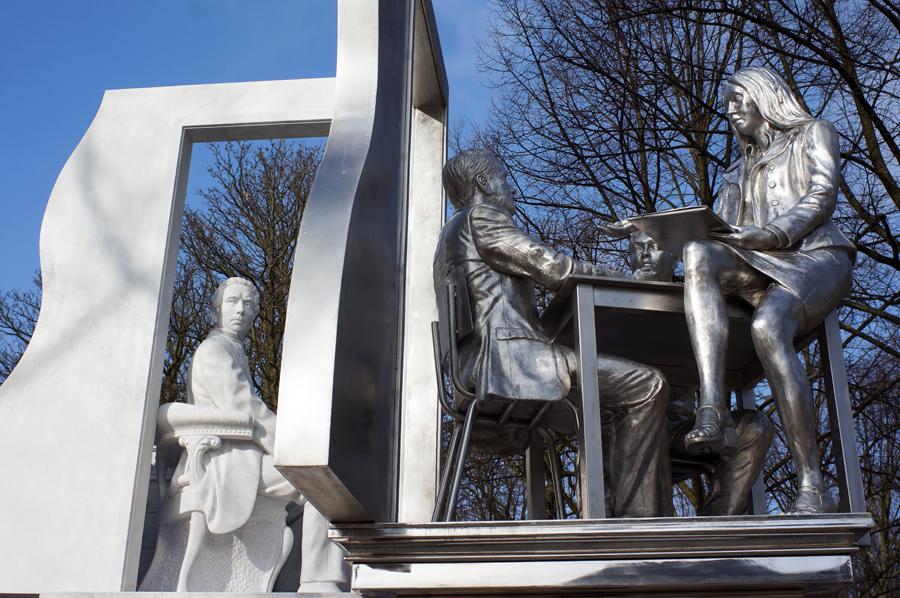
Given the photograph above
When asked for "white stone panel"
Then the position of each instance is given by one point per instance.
(79, 410)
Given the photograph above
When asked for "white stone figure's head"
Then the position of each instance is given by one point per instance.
(476, 176)
(756, 96)
(648, 261)
(235, 306)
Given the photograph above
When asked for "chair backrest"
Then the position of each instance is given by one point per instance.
(461, 306)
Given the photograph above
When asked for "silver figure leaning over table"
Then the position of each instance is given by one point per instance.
(734, 473)
(507, 355)
(787, 258)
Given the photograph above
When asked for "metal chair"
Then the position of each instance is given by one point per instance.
(509, 423)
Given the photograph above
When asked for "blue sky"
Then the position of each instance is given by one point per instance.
(57, 58)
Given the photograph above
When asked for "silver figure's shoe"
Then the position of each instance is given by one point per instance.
(713, 432)
(811, 501)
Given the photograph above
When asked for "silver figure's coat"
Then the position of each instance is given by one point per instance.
(508, 355)
(791, 190)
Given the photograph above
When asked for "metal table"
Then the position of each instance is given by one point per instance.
(645, 321)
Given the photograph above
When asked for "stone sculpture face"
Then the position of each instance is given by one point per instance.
(648, 261)
(742, 111)
(238, 310)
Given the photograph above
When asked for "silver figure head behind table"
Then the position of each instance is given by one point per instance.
(648, 261)
(786, 257)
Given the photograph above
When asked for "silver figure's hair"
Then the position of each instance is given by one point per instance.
(772, 96)
(460, 173)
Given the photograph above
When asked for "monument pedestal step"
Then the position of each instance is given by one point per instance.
(770, 555)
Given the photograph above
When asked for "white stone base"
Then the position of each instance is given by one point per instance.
(246, 560)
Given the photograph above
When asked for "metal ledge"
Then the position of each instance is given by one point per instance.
(578, 539)
(771, 555)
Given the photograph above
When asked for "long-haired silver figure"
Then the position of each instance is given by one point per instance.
(787, 258)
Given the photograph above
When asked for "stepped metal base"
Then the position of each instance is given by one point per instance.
(772, 555)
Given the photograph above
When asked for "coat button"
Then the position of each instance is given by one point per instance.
(774, 202)
(772, 184)
(771, 167)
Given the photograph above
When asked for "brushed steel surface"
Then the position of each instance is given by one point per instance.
(644, 321)
(775, 555)
(343, 360)
(752, 576)
(575, 539)
(420, 419)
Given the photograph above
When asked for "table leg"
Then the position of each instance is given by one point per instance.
(536, 501)
(592, 495)
(840, 415)
(756, 501)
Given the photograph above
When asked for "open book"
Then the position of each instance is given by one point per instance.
(673, 228)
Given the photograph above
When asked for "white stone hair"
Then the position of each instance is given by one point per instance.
(772, 96)
(216, 308)
(460, 173)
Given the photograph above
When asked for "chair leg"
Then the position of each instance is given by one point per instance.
(554, 471)
(445, 476)
(196, 534)
(450, 513)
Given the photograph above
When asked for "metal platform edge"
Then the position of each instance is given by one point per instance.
(770, 555)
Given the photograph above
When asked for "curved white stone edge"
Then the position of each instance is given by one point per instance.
(79, 411)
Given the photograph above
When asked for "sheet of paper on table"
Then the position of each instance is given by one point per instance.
(673, 228)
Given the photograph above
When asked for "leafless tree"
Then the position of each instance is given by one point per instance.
(18, 316)
(248, 227)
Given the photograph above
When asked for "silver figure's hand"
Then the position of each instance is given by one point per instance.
(620, 229)
(748, 237)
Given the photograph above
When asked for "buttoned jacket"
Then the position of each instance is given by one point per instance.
(792, 189)
(507, 355)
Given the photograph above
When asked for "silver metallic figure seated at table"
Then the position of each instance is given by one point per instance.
(787, 258)
(508, 356)
(735, 473)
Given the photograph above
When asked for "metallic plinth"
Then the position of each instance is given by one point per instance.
(773, 555)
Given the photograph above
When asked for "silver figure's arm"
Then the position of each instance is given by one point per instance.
(822, 156)
(506, 248)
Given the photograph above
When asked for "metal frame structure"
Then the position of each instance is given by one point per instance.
(645, 321)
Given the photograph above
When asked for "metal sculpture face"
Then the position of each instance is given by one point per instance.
(648, 261)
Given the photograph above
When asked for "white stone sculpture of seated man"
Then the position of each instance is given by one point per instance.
(238, 471)
(219, 377)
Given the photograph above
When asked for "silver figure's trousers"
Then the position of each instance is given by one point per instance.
(735, 473)
(635, 396)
